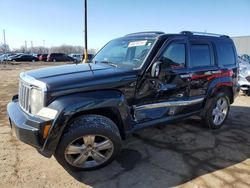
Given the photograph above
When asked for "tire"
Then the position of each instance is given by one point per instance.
(54, 60)
(83, 140)
(246, 92)
(212, 110)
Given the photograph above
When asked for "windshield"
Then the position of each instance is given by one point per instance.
(124, 52)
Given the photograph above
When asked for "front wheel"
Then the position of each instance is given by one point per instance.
(90, 142)
(217, 110)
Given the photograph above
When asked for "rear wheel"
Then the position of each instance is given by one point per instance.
(90, 142)
(217, 110)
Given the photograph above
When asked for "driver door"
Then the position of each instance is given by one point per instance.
(162, 96)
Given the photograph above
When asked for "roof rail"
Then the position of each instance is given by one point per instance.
(202, 34)
(145, 33)
(186, 33)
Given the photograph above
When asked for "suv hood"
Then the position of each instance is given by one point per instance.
(66, 78)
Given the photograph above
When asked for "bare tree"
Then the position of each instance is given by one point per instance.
(66, 49)
(22, 49)
(39, 50)
(4, 48)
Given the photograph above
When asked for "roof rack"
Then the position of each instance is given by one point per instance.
(202, 34)
(146, 33)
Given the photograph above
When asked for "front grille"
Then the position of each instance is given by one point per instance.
(24, 96)
(248, 78)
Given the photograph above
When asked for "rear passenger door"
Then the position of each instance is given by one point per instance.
(202, 66)
(227, 59)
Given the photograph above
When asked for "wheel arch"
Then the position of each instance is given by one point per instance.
(109, 112)
(227, 90)
(221, 85)
(110, 103)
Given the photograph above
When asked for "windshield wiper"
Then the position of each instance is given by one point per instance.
(109, 63)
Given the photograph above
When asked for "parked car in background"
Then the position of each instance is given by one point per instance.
(244, 76)
(38, 55)
(59, 57)
(245, 58)
(10, 57)
(23, 57)
(4, 57)
(90, 56)
(77, 57)
(43, 57)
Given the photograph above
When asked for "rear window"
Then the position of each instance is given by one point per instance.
(225, 53)
(200, 55)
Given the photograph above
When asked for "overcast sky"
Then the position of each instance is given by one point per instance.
(57, 22)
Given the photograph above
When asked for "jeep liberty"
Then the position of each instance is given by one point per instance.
(80, 113)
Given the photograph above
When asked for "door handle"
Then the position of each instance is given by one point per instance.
(185, 75)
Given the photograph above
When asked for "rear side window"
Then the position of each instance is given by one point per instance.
(200, 55)
(225, 53)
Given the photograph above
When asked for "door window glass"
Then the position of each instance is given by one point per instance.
(174, 56)
(200, 55)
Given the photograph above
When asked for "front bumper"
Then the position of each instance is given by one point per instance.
(28, 129)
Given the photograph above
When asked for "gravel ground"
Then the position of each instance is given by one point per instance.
(184, 154)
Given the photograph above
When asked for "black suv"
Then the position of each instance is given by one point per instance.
(59, 57)
(80, 113)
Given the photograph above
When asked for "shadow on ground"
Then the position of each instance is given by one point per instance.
(175, 154)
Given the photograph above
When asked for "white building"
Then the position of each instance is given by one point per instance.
(242, 44)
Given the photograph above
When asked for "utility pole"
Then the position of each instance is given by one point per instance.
(4, 41)
(31, 46)
(86, 32)
(25, 46)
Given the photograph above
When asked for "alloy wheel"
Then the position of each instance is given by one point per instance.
(220, 111)
(89, 151)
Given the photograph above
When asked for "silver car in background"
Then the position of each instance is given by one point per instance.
(77, 57)
(244, 76)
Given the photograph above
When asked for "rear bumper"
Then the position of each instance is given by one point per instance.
(28, 129)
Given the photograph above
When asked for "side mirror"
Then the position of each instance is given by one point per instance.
(155, 71)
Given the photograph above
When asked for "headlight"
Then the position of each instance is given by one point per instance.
(36, 101)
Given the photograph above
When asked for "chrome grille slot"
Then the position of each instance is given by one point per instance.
(24, 96)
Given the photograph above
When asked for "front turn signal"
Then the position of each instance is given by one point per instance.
(46, 131)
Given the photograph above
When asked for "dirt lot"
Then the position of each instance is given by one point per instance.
(184, 154)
